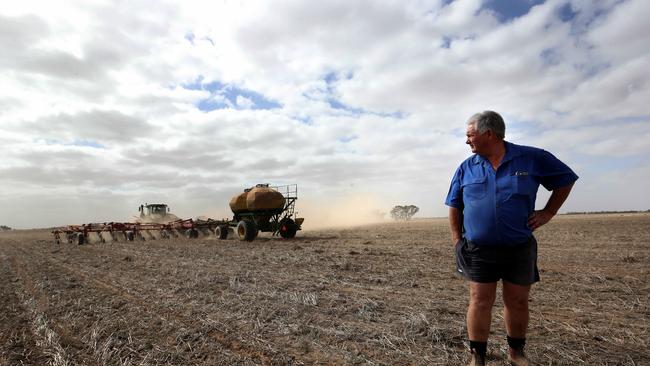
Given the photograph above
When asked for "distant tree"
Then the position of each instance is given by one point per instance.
(404, 212)
(4, 228)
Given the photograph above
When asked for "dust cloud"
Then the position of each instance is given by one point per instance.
(350, 209)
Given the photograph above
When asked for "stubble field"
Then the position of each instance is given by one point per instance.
(383, 294)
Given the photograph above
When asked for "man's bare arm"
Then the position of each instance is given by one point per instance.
(455, 224)
(541, 217)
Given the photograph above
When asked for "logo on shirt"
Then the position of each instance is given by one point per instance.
(520, 173)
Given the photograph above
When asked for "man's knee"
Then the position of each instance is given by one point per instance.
(482, 299)
(519, 303)
(515, 297)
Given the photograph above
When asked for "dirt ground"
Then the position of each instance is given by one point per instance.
(377, 294)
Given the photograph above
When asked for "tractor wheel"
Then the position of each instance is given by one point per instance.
(288, 228)
(246, 230)
(192, 233)
(222, 232)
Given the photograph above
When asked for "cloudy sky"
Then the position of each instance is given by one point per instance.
(108, 104)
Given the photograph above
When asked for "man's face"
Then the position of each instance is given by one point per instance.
(476, 141)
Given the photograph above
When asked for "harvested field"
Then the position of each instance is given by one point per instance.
(377, 294)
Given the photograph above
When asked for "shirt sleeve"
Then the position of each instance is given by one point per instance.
(455, 194)
(553, 173)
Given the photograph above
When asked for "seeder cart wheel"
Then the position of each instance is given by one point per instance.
(222, 232)
(288, 228)
(246, 230)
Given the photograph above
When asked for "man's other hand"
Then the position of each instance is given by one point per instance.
(539, 218)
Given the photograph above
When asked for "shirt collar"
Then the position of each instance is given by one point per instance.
(512, 151)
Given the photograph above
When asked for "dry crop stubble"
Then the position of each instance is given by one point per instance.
(18, 336)
(376, 294)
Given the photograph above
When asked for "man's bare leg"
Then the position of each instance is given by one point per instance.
(515, 300)
(479, 312)
(479, 318)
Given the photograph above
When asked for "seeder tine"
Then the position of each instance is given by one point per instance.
(129, 235)
(118, 236)
(140, 235)
(57, 236)
(94, 237)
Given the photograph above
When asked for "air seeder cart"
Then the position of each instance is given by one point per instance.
(263, 208)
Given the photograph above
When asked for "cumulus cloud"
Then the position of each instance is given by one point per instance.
(112, 103)
(96, 125)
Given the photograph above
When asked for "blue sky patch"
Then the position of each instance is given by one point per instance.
(224, 96)
(207, 105)
(347, 139)
(190, 37)
(566, 13)
(304, 119)
(79, 142)
(87, 143)
(335, 104)
(507, 10)
(550, 56)
(446, 42)
(330, 78)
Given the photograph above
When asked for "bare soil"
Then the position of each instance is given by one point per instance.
(377, 294)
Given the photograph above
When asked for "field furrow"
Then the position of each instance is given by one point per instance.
(176, 316)
(376, 295)
(20, 343)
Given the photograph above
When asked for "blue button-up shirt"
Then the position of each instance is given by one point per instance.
(496, 204)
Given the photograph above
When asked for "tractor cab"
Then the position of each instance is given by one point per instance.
(149, 209)
(155, 213)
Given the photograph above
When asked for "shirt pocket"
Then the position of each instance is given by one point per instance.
(475, 189)
(524, 185)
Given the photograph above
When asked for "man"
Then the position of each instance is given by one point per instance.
(492, 218)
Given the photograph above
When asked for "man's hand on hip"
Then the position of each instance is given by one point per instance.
(539, 218)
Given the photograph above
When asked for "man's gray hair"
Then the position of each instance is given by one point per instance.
(488, 120)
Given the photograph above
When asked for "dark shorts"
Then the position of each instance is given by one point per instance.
(486, 264)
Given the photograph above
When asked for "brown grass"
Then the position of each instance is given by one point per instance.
(377, 294)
